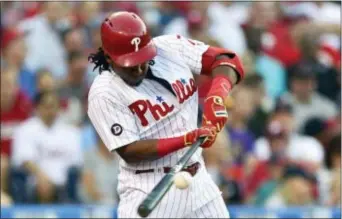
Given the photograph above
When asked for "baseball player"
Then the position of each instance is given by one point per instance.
(144, 106)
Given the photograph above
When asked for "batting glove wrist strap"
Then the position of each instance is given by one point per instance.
(168, 145)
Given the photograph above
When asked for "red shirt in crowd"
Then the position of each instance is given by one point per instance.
(278, 43)
(21, 110)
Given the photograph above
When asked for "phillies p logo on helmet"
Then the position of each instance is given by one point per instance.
(136, 41)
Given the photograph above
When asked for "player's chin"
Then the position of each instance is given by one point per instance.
(135, 83)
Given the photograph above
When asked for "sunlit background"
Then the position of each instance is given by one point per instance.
(279, 155)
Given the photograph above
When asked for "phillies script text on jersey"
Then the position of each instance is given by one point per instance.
(159, 111)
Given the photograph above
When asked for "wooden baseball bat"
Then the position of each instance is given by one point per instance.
(159, 191)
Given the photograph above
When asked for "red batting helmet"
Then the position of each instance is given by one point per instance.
(126, 40)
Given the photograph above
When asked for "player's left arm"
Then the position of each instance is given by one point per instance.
(222, 65)
(226, 70)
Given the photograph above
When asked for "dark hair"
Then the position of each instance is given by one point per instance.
(99, 60)
(40, 96)
(314, 126)
(302, 70)
(292, 170)
(283, 105)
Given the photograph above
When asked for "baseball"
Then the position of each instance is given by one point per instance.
(182, 180)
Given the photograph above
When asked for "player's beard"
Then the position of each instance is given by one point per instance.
(136, 83)
(130, 76)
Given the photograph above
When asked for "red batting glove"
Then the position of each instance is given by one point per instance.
(207, 132)
(215, 112)
(168, 145)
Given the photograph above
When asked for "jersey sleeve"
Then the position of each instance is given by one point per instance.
(113, 122)
(190, 50)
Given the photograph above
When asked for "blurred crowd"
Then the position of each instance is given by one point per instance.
(282, 143)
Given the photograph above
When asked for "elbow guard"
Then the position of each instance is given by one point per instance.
(209, 61)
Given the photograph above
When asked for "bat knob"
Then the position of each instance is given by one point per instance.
(143, 211)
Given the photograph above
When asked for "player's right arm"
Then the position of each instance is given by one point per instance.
(117, 128)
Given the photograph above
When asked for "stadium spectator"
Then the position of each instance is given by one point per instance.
(278, 42)
(328, 177)
(261, 16)
(332, 147)
(264, 104)
(274, 75)
(296, 189)
(45, 81)
(242, 139)
(241, 146)
(335, 189)
(74, 89)
(88, 15)
(15, 108)
(299, 149)
(317, 55)
(95, 36)
(197, 28)
(74, 39)
(322, 130)
(263, 181)
(194, 17)
(168, 13)
(14, 51)
(88, 12)
(217, 157)
(306, 102)
(74, 84)
(47, 148)
(99, 176)
(333, 160)
(334, 166)
(277, 138)
(226, 19)
(45, 47)
(232, 38)
(248, 60)
(231, 189)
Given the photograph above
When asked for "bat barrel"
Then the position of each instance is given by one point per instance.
(152, 200)
(144, 210)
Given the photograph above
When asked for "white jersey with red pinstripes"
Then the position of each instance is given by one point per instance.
(122, 114)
